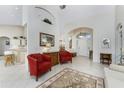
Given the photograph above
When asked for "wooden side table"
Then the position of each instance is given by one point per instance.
(105, 58)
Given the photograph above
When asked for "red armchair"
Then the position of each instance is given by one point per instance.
(39, 64)
(65, 56)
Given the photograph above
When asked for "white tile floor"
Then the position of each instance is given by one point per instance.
(17, 76)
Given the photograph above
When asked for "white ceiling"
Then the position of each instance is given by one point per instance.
(10, 14)
(79, 12)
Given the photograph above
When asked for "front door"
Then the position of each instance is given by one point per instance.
(82, 47)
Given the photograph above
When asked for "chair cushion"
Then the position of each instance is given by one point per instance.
(44, 65)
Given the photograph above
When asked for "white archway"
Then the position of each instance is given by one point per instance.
(82, 46)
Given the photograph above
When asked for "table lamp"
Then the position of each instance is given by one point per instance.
(48, 46)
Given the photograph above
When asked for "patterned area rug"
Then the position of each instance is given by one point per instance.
(69, 78)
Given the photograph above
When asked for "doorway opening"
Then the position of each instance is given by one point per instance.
(12, 44)
(4, 44)
(82, 41)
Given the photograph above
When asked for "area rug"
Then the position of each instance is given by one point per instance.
(70, 78)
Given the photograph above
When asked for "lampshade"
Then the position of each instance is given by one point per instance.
(48, 45)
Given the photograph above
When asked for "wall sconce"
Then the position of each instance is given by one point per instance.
(46, 20)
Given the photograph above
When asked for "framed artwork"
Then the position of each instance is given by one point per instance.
(47, 38)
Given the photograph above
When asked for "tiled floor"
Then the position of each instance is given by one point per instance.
(18, 76)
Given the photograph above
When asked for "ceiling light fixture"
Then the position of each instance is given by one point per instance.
(62, 6)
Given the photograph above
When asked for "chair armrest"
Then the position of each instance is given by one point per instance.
(33, 65)
(46, 58)
(33, 59)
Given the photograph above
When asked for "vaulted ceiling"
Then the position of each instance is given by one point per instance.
(10, 14)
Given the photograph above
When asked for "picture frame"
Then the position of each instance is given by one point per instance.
(47, 38)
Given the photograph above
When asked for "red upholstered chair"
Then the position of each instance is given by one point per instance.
(65, 56)
(39, 64)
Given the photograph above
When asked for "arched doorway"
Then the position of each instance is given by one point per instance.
(82, 41)
(4, 44)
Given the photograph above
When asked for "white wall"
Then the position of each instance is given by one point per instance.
(35, 25)
(10, 32)
(119, 19)
(90, 42)
(100, 18)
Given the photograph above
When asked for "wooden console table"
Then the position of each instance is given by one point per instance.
(105, 58)
(54, 57)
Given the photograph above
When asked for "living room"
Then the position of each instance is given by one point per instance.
(63, 25)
